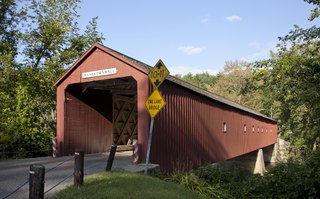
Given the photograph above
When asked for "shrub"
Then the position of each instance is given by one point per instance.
(286, 180)
(231, 179)
(194, 183)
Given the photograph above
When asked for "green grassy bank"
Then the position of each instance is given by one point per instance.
(127, 185)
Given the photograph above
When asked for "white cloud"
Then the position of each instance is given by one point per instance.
(204, 20)
(191, 50)
(183, 70)
(233, 18)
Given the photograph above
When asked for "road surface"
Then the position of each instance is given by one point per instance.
(15, 173)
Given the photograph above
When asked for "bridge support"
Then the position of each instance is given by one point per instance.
(259, 167)
(257, 161)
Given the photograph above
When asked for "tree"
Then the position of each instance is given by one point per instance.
(50, 41)
(291, 79)
(9, 18)
(202, 80)
(232, 84)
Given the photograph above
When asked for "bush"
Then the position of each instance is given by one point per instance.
(289, 180)
(194, 183)
(286, 180)
(313, 167)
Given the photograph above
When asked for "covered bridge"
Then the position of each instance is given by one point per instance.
(101, 100)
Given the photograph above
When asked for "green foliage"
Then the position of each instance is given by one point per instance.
(194, 183)
(291, 84)
(231, 180)
(221, 173)
(50, 41)
(315, 13)
(292, 180)
(201, 80)
(292, 80)
(286, 180)
(9, 19)
(232, 84)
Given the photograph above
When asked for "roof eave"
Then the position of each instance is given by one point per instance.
(105, 49)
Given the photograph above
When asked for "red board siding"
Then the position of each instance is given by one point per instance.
(98, 58)
(188, 131)
(88, 120)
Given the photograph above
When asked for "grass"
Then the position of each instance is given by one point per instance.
(126, 185)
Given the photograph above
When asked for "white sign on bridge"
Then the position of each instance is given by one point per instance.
(96, 73)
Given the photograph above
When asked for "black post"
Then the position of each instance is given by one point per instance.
(78, 168)
(36, 181)
(111, 157)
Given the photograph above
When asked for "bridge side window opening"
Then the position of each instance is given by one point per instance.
(244, 128)
(252, 128)
(258, 129)
(224, 127)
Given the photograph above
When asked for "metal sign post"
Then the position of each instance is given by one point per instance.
(155, 101)
(154, 104)
(149, 146)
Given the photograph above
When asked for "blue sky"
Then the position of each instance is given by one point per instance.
(194, 36)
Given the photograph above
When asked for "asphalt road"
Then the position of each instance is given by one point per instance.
(15, 173)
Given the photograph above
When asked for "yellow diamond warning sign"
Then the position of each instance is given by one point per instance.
(155, 103)
(158, 74)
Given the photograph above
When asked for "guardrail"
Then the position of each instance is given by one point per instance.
(23, 150)
(37, 175)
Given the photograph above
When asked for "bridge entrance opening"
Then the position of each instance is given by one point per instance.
(101, 113)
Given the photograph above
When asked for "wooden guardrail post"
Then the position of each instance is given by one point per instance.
(111, 157)
(36, 181)
(78, 168)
